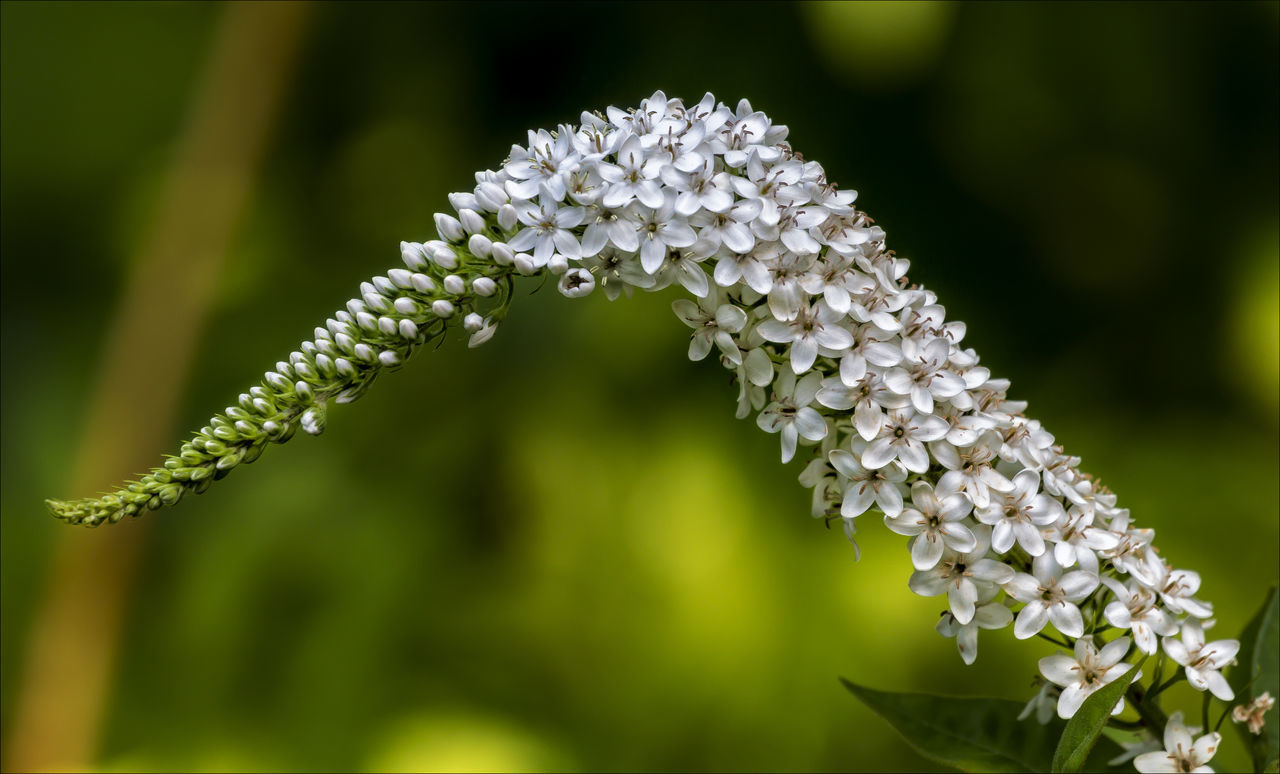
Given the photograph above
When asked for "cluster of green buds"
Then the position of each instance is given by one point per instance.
(395, 315)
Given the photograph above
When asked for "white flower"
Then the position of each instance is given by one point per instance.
(576, 283)
(1075, 540)
(813, 328)
(548, 229)
(963, 577)
(660, 230)
(971, 469)
(1019, 515)
(633, 177)
(1050, 595)
(605, 225)
(863, 487)
(868, 397)
(925, 378)
(748, 266)
(1180, 753)
(1176, 587)
(546, 161)
(987, 616)
(699, 190)
(1044, 704)
(1090, 670)
(902, 437)
(1202, 661)
(1135, 608)
(713, 322)
(791, 413)
(935, 522)
(618, 271)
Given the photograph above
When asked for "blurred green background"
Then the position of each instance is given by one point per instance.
(561, 551)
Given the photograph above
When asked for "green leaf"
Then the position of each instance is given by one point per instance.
(1259, 661)
(972, 734)
(1084, 728)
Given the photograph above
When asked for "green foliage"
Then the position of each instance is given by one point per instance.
(1257, 671)
(1085, 727)
(974, 734)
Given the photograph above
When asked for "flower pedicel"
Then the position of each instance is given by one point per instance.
(833, 348)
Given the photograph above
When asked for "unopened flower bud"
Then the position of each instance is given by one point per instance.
(508, 218)
(384, 286)
(387, 326)
(388, 358)
(406, 305)
(472, 322)
(462, 201)
(324, 364)
(525, 265)
(483, 286)
(304, 391)
(313, 419)
(558, 264)
(448, 227)
(480, 245)
(442, 254)
(471, 221)
(454, 285)
(442, 308)
(423, 284)
(490, 196)
(367, 321)
(503, 255)
(411, 253)
(408, 329)
(401, 278)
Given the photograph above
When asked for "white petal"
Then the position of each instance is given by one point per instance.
(1071, 699)
(1066, 619)
(878, 454)
(788, 442)
(1031, 620)
(963, 597)
(925, 552)
(803, 353)
(867, 419)
(1059, 669)
(811, 424)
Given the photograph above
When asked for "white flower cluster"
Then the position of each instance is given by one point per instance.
(796, 293)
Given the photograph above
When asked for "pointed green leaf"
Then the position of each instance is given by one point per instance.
(972, 734)
(1259, 661)
(1084, 727)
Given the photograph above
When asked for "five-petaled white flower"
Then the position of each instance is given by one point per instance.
(864, 487)
(1019, 515)
(791, 413)
(935, 522)
(1090, 670)
(1180, 753)
(963, 577)
(1050, 596)
(1203, 660)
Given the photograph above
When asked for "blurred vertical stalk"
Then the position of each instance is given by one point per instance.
(146, 358)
